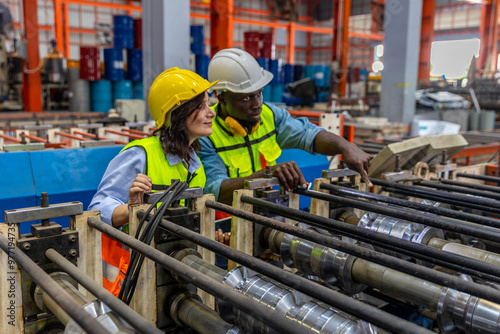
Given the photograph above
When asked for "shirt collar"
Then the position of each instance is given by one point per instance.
(194, 162)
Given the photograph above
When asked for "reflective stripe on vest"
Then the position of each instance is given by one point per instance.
(245, 155)
(116, 256)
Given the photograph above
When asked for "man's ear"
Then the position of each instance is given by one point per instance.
(220, 96)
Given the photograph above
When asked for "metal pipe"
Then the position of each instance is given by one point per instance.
(454, 225)
(480, 177)
(440, 199)
(85, 320)
(475, 253)
(122, 309)
(456, 189)
(186, 309)
(379, 258)
(442, 196)
(45, 302)
(418, 291)
(494, 189)
(191, 275)
(193, 259)
(343, 191)
(342, 302)
(421, 252)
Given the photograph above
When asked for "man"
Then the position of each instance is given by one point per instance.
(249, 135)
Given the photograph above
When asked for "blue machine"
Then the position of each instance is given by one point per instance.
(68, 175)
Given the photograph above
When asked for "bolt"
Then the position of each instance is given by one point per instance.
(26, 246)
(72, 238)
(163, 236)
(196, 229)
(72, 252)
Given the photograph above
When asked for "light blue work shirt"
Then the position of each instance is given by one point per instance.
(291, 133)
(121, 172)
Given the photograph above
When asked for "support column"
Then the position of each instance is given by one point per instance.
(67, 47)
(426, 39)
(488, 31)
(402, 21)
(340, 47)
(166, 39)
(32, 78)
(58, 21)
(221, 25)
(291, 42)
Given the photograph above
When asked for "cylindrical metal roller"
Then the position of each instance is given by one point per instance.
(288, 302)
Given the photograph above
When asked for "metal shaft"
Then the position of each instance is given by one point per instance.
(342, 302)
(475, 253)
(191, 275)
(480, 177)
(444, 223)
(338, 190)
(122, 309)
(382, 259)
(458, 189)
(200, 318)
(443, 196)
(494, 189)
(421, 252)
(54, 290)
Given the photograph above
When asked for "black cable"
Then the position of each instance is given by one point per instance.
(146, 235)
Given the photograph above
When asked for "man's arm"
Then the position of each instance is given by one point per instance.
(328, 143)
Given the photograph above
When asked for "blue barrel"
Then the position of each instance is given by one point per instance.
(202, 65)
(197, 40)
(276, 68)
(113, 64)
(309, 71)
(138, 90)
(298, 72)
(319, 75)
(326, 71)
(123, 32)
(264, 63)
(122, 90)
(277, 92)
(266, 93)
(289, 76)
(101, 98)
(134, 64)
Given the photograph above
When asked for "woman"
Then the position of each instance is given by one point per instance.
(178, 102)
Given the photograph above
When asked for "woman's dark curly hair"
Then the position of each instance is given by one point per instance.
(175, 138)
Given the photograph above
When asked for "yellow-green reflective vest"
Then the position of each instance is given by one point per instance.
(244, 156)
(159, 169)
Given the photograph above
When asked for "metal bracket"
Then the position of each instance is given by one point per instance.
(189, 193)
(261, 183)
(38, 213)
(23, 147)
(179, 216)
(65, 244)
(97, 143)
(333, 173)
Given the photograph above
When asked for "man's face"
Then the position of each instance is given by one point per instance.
(243, 106)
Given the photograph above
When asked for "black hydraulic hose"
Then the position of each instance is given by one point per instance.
(322, 293)
(485, 232)
(491, 205)
(481, 177)
(457, 189)
(437, 198)
(373, 256)
(494, 189)
(202, 281)
(122, 309)
(54, 290)
(344, 191)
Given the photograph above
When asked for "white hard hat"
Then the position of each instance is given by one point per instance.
(237, 71)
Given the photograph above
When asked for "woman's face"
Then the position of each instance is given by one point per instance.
(200, 124)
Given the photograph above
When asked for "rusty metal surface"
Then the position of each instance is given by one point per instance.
(331, 173)
(37, 213)
(261, 183)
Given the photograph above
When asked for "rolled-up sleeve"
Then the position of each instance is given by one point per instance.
(214, 167)
(115, 184)
(294, 132)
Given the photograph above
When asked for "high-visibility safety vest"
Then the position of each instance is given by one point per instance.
(116, 256)
(246, 155)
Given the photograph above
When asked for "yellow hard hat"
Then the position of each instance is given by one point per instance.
(170, 89)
